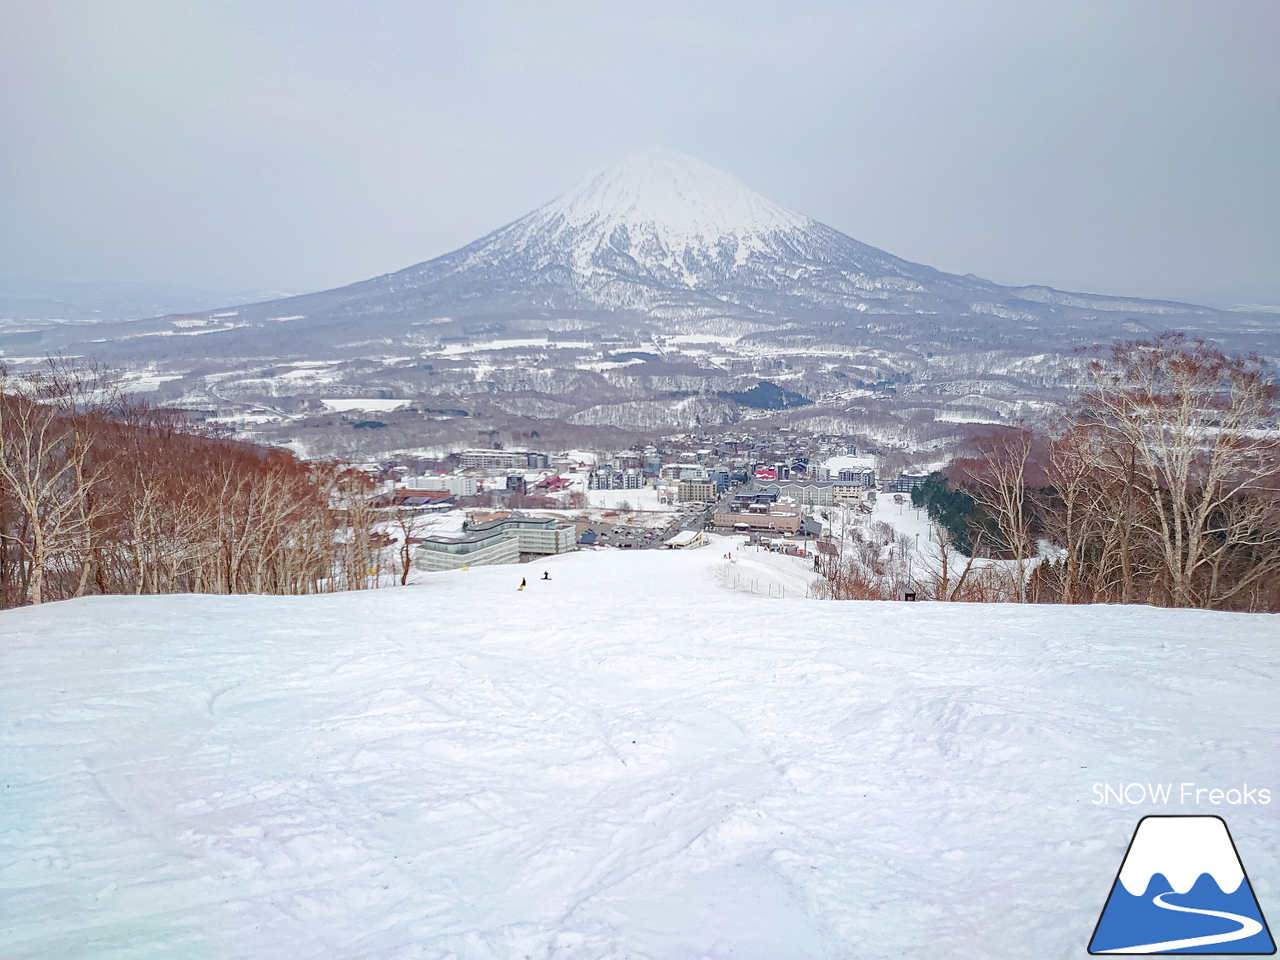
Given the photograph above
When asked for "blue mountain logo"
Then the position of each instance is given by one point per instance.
(1182, 889)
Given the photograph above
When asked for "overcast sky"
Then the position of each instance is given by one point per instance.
(1118, 147)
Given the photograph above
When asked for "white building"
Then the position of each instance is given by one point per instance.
(859, 470)
(470, 550)
(849, 492)
(458, 486)
(687, 539)
(607, 478)
(501, 540)
(684, 471)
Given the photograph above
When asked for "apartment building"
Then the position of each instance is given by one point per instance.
(500, 540)
(502, 460)
(690, 491)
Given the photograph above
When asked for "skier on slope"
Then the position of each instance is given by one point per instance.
(546, 575)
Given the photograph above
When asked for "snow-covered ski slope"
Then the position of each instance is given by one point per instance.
(630, 760)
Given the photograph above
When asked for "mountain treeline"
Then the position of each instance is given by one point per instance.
(1160, 486)
(100, 493)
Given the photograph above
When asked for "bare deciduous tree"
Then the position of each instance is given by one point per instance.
(101, 494)
(938, 576)
(999, 484)
(1193, 423)
(410, 524)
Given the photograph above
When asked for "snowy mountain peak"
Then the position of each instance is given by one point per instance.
(656, 215)
(656, 226)
(1181, 848)
(674, 196)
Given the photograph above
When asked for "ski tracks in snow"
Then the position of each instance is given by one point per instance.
(626, 761)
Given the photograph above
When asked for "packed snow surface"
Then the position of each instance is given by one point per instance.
(630, 759)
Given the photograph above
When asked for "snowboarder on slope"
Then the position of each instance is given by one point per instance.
(546, 575)
(521, 587)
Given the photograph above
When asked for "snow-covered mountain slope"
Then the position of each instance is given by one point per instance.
(659, 220)
(628, 760)
(657, 242)
(707, 286)
(662, 233)
(664, 208)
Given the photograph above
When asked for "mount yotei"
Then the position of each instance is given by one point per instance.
(657, 294)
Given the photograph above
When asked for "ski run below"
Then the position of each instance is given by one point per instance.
(629, 760)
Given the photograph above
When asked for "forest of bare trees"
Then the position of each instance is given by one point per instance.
(1164, 484)
(101, 494)
(1160, 485)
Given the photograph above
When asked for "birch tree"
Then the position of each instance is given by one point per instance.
(1195, 422)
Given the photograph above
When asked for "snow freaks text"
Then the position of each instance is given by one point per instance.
(1132, 794)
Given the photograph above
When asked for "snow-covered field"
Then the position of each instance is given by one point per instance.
(629, 760)
(645, 499)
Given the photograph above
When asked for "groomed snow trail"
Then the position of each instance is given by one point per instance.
(628, 760)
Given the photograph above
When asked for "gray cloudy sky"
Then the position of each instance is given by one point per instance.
(270, 144)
